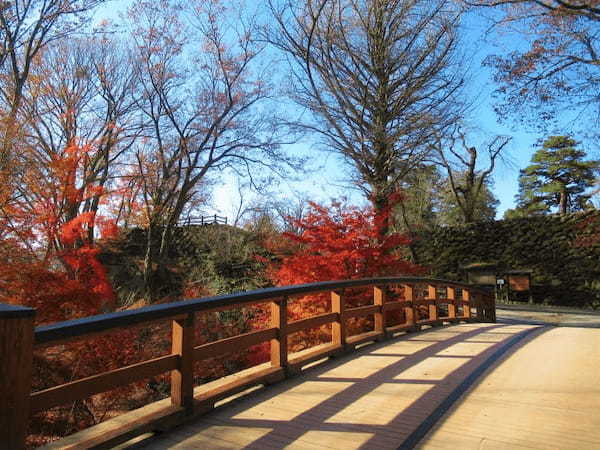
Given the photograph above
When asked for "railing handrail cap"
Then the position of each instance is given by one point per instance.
(8, 311)
(119, 319)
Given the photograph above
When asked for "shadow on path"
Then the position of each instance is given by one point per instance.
(386, 395)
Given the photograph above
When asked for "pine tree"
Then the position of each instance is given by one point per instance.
(558, 177)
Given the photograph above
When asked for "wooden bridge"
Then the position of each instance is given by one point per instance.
(403, 390)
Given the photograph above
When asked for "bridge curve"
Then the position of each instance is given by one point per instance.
(385, 396)
(467, 386)
(421, 302)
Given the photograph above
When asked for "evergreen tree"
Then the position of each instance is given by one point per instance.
(558, 177)
(429, 201)
(482, 207)
(421, 191)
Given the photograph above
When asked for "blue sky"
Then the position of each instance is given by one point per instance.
(326, 175)
(329, 181)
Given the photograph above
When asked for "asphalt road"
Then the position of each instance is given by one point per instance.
(539, 315)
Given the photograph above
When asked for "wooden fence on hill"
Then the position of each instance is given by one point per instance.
(204, 220)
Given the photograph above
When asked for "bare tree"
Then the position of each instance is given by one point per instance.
(206, 110)
(284, 212)
(379, 76)
(467, 180)
(557, 66)
(83, 95)
(26, 27)
(248, 204)
(589, 8)
(291, 210)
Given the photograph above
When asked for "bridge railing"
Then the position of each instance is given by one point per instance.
(18, 338)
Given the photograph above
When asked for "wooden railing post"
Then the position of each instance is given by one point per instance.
(492, 303)
(379, 299)
(16, 355)
(432, 294)
(480, 307)
(338, 328)
(486, 313)
(279, 347)
(410, 313)
(182, 379)
(466, 295)
(451, 296)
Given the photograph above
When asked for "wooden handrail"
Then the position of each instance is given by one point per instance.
(83, 388)
(105, 322)
(417, 312)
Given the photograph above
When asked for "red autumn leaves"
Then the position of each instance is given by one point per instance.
(343, 242)
(48, 257)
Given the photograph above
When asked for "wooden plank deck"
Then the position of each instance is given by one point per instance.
(546, 395)
(392, 394)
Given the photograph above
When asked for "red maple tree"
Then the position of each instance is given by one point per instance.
(48, 261)
(337, 242)
(342, 242)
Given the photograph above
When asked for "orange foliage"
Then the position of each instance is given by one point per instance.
(48, 261)
(338, 243)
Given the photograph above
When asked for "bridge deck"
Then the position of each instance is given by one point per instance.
(407, 392)
(545, 395)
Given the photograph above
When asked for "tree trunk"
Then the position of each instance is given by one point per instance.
(148, 266)
(382, 213)
(10, 124)
(469, 208)
(563, 202)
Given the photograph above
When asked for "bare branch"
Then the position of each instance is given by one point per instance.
(379, 78)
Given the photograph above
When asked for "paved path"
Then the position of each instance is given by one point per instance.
(544, 396)
(563, 317)
(435, 389)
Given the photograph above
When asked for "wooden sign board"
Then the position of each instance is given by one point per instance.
(519, 283)
(488, 278)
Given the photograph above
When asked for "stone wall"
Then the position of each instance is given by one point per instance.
(562, 252)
